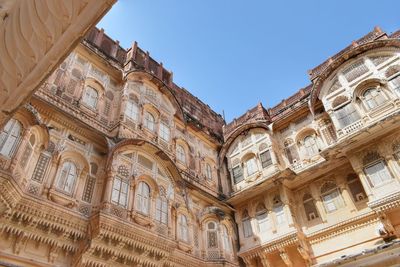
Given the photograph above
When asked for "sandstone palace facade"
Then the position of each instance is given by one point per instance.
(112, 164)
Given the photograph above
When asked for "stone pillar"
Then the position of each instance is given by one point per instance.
(348, 200)
(318, 202)
(108, 187)
(20, 148)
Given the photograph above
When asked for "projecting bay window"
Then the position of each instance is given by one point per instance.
(119, 195)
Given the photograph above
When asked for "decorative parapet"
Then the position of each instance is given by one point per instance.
(254, 115)
(374, 35)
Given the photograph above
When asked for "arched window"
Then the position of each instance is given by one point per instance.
(331, 197)
(132, 110)
(212, 237)
(208, 171)
(310, 144)
(183, 228)
(279, 210)
(67, 177)
(143, 198)
(149, 121)
(119, 193)
(246, 222)
(346, 115)
(180, 154)
(162, 208)
(375, 168)
(164, 132)
(9, 138)
(356, 188)
(373, 98)
(262, 219)
(251, 166)
(309, 207)
(226, 239)
(90, 97)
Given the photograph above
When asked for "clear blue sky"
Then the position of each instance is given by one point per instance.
(233, 54)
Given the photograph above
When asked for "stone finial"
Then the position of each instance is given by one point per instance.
(377, 29)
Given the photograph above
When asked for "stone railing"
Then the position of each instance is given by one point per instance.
(350, 128)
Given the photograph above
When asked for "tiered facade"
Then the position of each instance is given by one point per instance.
(112, 164)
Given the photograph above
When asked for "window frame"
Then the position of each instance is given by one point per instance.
(143, 198)
(149, 121)
(183, 226)
(266, 161)
(12, 130)
(68, 170)
(385, 169)
(335, 198)
(120, 192)
(161, 214)
(311, 149)
(346, 118)
(90, 97)
(164, 132)
(212, 233)
(181, 154)
(236, 174)
(209, 174)
(371, 101)
(254, 166)
(130, 110)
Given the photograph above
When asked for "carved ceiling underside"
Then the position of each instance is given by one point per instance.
(35, 37)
